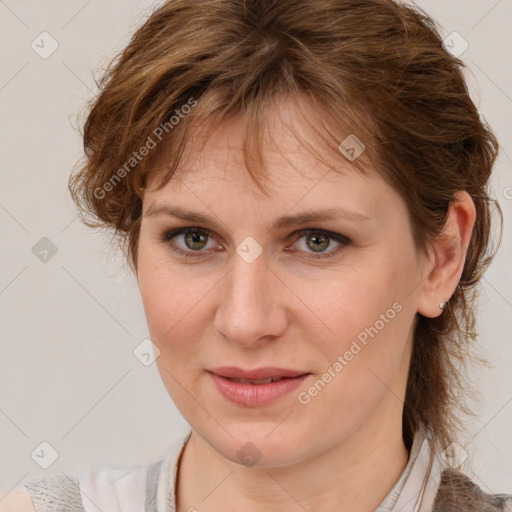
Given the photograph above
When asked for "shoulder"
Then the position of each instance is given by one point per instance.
(100, 488)
(458, 492)
(134, 488)
(44, 494)
(18, 500)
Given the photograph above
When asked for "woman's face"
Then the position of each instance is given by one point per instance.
(277, 283)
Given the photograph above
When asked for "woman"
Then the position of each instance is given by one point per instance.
(301, 188)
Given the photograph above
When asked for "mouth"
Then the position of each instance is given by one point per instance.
(257, 387)
(255, 381)
(232, 372)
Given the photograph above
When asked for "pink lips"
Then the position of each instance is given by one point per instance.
(230, 382)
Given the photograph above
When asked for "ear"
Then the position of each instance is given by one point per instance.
(447, 256)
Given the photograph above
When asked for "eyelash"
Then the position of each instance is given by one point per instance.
(169, 235)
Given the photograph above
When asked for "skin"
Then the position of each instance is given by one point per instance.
(289, 309)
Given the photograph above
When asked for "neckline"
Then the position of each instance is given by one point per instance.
(410, 492)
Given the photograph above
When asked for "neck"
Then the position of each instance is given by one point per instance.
(372, 458)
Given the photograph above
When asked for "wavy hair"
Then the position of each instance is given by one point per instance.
(376, 69)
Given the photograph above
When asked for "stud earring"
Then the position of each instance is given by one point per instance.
(442, 305)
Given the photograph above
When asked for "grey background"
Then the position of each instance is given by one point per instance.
(68, 375)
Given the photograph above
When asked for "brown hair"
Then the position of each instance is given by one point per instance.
(373, 68)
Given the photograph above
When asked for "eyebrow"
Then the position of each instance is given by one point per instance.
(283, 222)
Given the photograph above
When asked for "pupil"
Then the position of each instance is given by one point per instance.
(193, 238)
(317, 247)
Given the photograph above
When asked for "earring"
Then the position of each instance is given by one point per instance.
(442, 305)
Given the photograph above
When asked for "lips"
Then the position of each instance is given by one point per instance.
(257, 387)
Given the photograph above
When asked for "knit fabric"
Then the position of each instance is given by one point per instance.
(55, 494)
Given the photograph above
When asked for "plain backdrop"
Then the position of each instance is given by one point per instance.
(71, 316)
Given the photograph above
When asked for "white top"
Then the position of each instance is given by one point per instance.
(152, 488)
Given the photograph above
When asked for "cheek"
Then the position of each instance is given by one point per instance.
(364, 352)
(367, 317)
(172, 304)
(348, 304)
(175, 305)
(165, 292)
(173, 309)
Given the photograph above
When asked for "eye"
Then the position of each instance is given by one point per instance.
(188, 241)
(318, 241)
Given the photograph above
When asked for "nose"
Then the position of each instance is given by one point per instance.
(251, 310)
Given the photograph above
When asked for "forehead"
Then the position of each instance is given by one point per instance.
(212, 170)
(218, 153)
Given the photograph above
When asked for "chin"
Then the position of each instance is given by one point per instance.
(251, 445)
